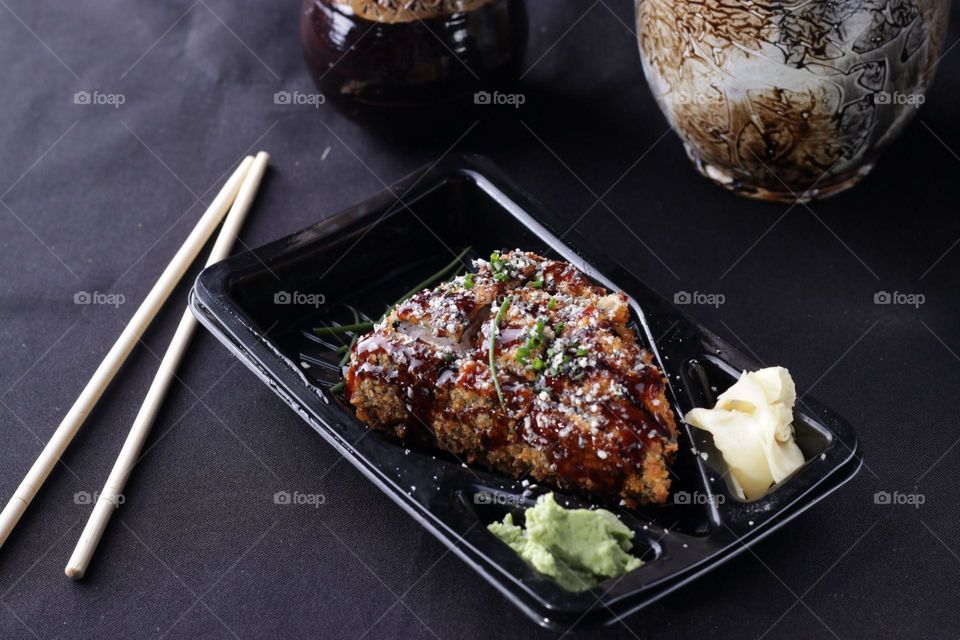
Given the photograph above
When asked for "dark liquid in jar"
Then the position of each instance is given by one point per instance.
(413, 63)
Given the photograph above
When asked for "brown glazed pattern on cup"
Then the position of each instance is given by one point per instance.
(784, 99)
(407, 10)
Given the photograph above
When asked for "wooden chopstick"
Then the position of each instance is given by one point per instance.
(121, 349)
(108, 501)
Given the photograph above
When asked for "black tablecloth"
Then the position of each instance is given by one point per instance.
(99, 196)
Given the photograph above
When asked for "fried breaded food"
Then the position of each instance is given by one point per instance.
(580, 406)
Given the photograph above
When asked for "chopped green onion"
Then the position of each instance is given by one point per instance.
(499, 269)
(538, 283)
(538, 364)
(493, 343)
(468, 281)
(552, 303)
(581, 352)
(522, 354)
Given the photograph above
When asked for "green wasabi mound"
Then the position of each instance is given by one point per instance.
(577, 548)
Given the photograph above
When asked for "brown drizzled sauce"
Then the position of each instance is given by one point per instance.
(421, 376)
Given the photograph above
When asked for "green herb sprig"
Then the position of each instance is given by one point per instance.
(353, 340)
(493, 344)
(366, 326)
(360, 327)
(439, 275)
(343, 328)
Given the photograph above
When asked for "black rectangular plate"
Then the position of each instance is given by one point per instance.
(259, 305)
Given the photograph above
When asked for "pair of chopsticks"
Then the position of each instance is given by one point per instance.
(233, 202)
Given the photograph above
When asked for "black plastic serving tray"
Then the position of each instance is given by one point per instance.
(263, 304)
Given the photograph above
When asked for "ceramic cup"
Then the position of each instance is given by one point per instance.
(787, 99)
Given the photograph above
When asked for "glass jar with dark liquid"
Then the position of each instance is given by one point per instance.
(409, 54)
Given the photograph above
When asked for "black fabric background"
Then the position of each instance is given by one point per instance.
(200, 549)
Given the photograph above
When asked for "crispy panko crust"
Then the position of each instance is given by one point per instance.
(580, 406)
